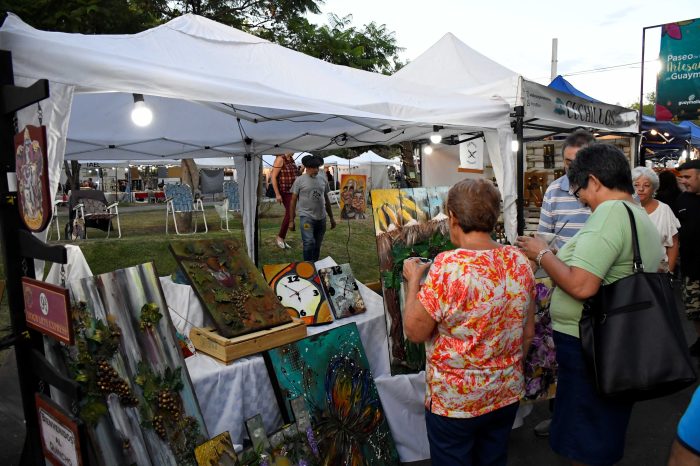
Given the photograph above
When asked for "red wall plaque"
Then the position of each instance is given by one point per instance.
(47, 309)
(60, 437)
(31, 163)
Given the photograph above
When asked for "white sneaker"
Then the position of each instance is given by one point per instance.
(286, 245)
(280, 243)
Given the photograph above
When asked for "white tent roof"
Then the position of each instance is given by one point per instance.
(335, 160)
(371, 157)
(450, 64)
(274, 98)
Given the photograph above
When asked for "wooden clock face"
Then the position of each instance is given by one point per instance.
(298, 288)
(341, 291)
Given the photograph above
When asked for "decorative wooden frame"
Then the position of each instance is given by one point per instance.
(57, 415)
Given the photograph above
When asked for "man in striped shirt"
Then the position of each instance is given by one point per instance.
(563, 215)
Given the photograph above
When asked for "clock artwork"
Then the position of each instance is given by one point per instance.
(299, 290)
(341, 291)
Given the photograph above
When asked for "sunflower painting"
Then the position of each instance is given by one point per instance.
(330, 372)
(409, 222)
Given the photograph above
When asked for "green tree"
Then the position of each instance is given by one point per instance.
(648, 108)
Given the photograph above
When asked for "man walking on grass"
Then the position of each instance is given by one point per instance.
(310, 193)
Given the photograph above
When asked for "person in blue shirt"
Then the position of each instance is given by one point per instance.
(685, 450)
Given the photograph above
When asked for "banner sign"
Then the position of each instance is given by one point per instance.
(31, 163)
(545, 103)
(471, 155)
(47, 309)
(60, 439)
(678, 82)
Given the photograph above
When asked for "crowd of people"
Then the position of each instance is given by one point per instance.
(475, 309)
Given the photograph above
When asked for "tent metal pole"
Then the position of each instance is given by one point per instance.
(519, 113)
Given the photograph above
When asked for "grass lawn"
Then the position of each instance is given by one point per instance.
(144, 240)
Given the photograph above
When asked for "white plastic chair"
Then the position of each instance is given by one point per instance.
(179, 200)
(54, 219)
(231, 203)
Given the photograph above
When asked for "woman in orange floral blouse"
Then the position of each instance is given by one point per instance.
(475, 313)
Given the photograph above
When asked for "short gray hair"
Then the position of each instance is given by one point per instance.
(648, 173)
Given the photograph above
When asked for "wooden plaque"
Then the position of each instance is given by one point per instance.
(31, 163)
(60, 437)
(47, 309)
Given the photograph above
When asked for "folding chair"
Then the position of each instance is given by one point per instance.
(179, 200)
(54, 219)
(91, 206)
(231, 203)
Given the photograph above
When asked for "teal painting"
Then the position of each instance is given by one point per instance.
(330, 372)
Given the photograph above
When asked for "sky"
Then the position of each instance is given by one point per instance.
(518, 34)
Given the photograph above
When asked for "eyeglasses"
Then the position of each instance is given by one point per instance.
(575, 193)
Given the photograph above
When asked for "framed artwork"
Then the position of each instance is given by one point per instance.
(341, 291)
(328, 376)
(139, 404)
(229, 286)
(353, 196)
(31, 164)
(409, 222)
(298, 288)
(217, 451)
(548, 152)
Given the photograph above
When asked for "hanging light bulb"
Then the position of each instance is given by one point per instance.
(436, 137)
(427, 150)
(654, 132)
(141, 115)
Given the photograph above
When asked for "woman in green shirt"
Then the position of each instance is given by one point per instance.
(588, 429)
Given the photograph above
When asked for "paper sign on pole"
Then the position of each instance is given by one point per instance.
(471, 155)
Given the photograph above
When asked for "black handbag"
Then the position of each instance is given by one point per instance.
(632, 338)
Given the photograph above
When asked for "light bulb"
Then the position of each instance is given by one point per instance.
(514, 146)
(666, 134)
(141, 115)
(435, 138)
(427, 150)
(654, 132)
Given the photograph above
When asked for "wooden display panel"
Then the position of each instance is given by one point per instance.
(227, 350)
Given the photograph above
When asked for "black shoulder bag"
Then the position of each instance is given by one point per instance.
(632, 337)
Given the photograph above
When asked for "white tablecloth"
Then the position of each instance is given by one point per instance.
(228, 395)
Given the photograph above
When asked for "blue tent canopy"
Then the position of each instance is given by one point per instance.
(561, 84)
(694, 132)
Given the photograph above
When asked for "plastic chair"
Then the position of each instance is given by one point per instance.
(179, 200)
(54, 219)
(231, 203)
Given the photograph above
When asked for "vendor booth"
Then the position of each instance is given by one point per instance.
(217, 92)
(539, 112)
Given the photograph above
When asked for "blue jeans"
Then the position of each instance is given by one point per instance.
(475, 441)
(312, 232)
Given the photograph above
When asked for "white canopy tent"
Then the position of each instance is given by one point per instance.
(451, 65)
(217, 91)
(372, 165)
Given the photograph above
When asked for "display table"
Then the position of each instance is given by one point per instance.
(228, 395)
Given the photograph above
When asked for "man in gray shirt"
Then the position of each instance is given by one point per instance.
(310, 193)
